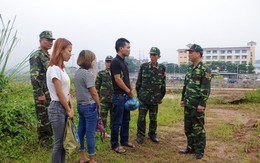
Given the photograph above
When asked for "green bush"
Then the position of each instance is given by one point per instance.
(17, 116)
(253, 96)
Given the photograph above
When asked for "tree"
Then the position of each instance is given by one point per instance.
(183, 68)
(250, 68)
(133, 64)
(169, 67)
(242, 68)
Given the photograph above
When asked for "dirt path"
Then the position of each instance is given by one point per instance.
(223, 145)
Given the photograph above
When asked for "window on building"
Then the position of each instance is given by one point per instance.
(229, 57)
(214, 51)
(222, 51)
(244, 57)
(237, 51)
(208, 51)
(237, 62)
(208, 57)
(244, 51)
(237, 56)
(222, 57)
(229, 51)
(214, 57)
(244, 62)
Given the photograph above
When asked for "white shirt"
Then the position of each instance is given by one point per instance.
(62, 76)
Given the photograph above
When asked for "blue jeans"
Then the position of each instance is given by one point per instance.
(88, 116)
(57, 117)
(120, 121)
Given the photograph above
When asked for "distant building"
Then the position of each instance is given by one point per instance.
(257, 68)
(238, 55)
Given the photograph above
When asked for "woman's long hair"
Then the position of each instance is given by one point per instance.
(59, 45)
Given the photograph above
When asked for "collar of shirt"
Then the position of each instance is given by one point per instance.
(198, 66)
(150, 65)
(117, 56)
(48, 55)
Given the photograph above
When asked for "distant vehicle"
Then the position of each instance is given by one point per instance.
(232, 80)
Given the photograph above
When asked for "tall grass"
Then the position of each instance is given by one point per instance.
(8, 41)
(253, 96)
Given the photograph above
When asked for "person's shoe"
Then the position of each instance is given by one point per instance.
(139, 140)
(154, 139)
(186, 151)
(107, 135)
(198, 155)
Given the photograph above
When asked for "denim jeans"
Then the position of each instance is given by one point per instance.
(88, 116)
(120, 121)
(57, 116)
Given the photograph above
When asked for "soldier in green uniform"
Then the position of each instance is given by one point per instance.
(39, 61)
(150, 88)
(105, 90)
(195, 93)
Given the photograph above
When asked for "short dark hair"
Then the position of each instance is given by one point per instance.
(121, 43)
(201, 53)
(85, 58)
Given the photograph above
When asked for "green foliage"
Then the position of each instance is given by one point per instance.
(253, 96)
(133, 64)
(183, 68)
(8, 41)
(172, 68)
(3, 82)
(231, 67)
(17, 116)
(250, 68)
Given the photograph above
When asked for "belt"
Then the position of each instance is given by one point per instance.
(84, 103)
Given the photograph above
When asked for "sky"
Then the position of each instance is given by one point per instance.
(167, 24)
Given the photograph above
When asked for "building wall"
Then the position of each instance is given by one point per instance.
(236, 55)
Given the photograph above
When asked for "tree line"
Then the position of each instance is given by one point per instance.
(216, 66)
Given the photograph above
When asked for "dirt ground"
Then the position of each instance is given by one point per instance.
(236, 149)
(241, 144)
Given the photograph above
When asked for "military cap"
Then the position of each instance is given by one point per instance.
(46, 34)
(196, 48)
(155, 50)
(109, 58)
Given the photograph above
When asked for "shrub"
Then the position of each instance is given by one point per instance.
(253, 96)
(17, 116)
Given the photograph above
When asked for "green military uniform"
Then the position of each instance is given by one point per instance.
(105, 89)
(150, 88)
(195, 92)
(39, 62)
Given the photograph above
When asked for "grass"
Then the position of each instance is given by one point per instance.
(170, 127)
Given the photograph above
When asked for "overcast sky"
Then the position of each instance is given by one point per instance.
(166, 24)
